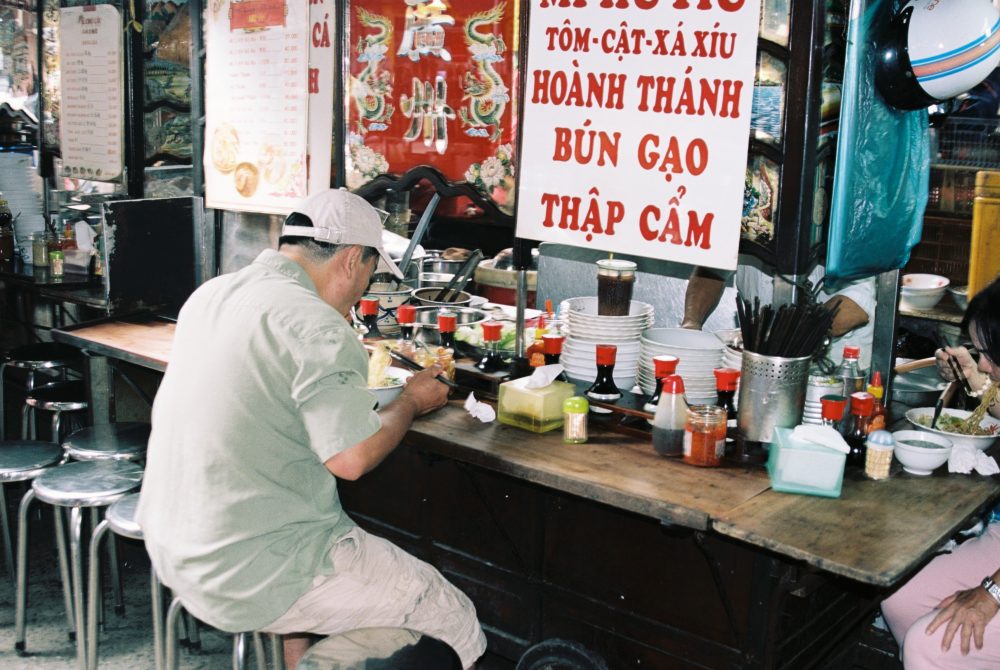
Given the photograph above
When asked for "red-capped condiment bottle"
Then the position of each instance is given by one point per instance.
(663, 366)
(535, 353)
(405, 316)
(832, 411)
(859, 424)
(726, 380)
(670, 416)
(491, 361)
(447, 323)
(552, 344)
(604, 387)
(369, 315)
(878, 407)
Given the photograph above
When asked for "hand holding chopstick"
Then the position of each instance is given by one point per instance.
(413, 365)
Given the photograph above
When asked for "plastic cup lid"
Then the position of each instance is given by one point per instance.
(576, 405)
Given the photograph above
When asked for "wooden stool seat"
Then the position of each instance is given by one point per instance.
(124, 441)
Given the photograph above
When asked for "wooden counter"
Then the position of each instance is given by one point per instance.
(876, 533)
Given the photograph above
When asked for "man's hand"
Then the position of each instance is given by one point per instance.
(967, 612)
(424, 391)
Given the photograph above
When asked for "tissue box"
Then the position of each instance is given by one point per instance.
(538, 410)
(800, 466)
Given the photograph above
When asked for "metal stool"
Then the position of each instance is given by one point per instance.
(73, 486)
(20, 461)
(123, 441)
(57, 398)
(380, 649)
(120, 519)
(239, 644)
(33, 358)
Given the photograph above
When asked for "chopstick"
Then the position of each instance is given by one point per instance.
(956, 369)
(413, 365)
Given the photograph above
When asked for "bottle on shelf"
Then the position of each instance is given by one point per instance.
(405, 316)
(877, 391)
(663, 366)
(858, 427)
(491, 361)
(726, 380)
(535, 353)
(369, 315)
(6, 232)
(832, 411)
(670, 417)
(604, 387)
(552, 344)
(850, 371)
(68, 237)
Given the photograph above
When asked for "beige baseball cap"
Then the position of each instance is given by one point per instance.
(341, 217)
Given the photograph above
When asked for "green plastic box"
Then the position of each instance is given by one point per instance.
(800, 466)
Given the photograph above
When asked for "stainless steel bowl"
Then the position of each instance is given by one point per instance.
(425, 296)
(441, 266)
(434, 279)
(918, 388)
(426, 326)
(960, 294)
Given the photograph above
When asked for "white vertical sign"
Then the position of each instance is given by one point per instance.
(322, 33)
(92, 116)
(636, 126)
(257, 104)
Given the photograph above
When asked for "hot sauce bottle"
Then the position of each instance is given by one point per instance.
(535, 353)
(705, 435)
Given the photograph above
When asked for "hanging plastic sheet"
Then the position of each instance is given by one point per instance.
(882, 171)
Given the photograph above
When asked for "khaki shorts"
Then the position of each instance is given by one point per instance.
(377, 584)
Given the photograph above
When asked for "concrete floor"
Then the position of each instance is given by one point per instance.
(126, 643)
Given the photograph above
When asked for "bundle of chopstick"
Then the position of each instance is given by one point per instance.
(789, 331)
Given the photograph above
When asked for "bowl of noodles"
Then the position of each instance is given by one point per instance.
(953, 425)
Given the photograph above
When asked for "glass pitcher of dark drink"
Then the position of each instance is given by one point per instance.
(615, 279)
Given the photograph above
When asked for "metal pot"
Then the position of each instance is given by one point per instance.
(441, 266)
(918, 388)
(434, 279)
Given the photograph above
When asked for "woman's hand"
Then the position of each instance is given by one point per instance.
(965, 361)
(967, 612)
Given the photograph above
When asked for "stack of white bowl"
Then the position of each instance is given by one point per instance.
(585, 329)
(699, 353)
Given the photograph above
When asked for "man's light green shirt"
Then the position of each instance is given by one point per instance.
(265, 383)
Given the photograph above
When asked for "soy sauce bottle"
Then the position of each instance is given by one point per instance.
(663, 366)
(552, 344)
(604, 387)
(491, 361)
(858, 427)
(405, 316)
(369, 315)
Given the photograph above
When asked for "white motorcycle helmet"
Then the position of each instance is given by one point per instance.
(935, 49)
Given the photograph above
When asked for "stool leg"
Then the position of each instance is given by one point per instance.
(260, 656)
(22, 571)
(193, 633)
(277, 651)
(3, 425)
(94, 591)
(8, 541)
(28, 410)
(27, 424)
(64, 571)
(156, 599)
(170, 653)
(239, 651)
(56, 420)
(75, 530)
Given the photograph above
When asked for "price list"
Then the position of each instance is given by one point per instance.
(257, 105)
(91, 119)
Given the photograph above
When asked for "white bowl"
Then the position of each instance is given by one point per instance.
(923, 282)
(386, 394)
(683, 338)
(916, 458)
(980, 442)
(922, 291)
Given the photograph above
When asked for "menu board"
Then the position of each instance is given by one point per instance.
(91, 120)
(257, 107)
(636, 126)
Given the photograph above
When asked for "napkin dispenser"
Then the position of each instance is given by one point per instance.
(801, 466)
(536, 409)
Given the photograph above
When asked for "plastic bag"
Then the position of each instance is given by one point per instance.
(883, 167)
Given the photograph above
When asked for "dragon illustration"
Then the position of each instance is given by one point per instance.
(483, 87)
(371, 88)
